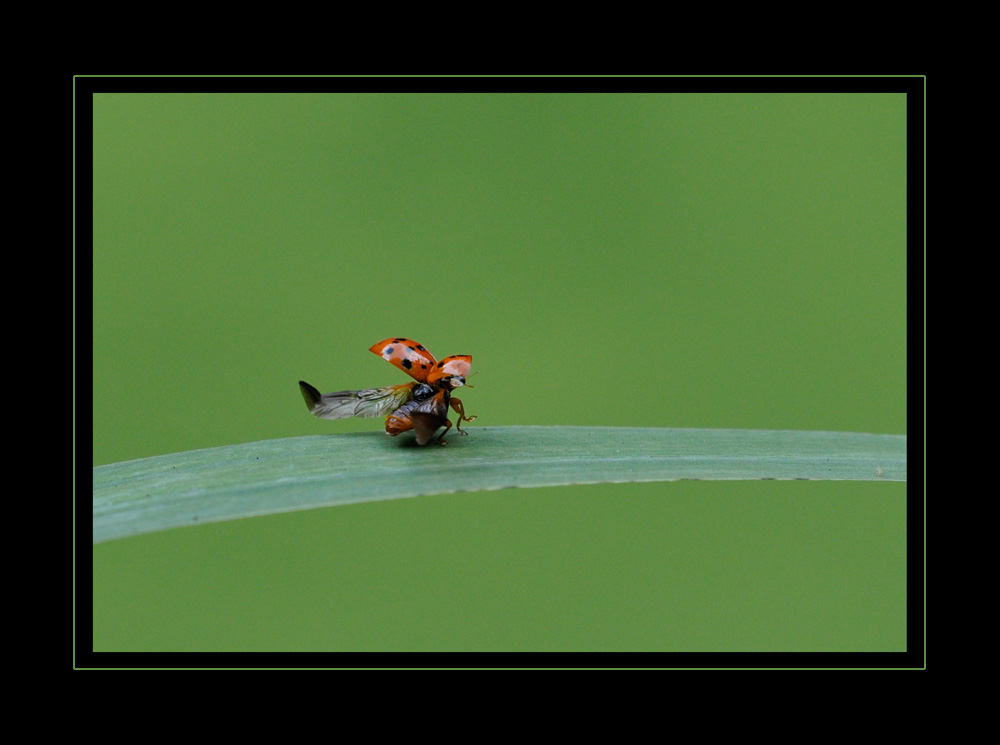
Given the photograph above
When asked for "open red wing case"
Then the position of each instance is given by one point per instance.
(407, 355)
(457, 364)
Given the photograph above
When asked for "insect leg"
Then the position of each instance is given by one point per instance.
(459, 407)
(447, 426)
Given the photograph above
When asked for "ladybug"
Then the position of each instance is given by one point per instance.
(421, 406)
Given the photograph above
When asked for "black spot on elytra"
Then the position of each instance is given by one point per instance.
(412, 349)
(422, 365)
(441, 363)
(407, 364)
(399, 339)
(421, 347)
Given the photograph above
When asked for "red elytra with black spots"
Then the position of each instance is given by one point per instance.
(418, 363)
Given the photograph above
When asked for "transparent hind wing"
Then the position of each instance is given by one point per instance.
(371, 402)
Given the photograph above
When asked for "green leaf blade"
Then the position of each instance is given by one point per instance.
(298, 473)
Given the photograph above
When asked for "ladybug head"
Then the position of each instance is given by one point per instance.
(451, 382)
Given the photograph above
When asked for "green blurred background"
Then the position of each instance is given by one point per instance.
(675, 260)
